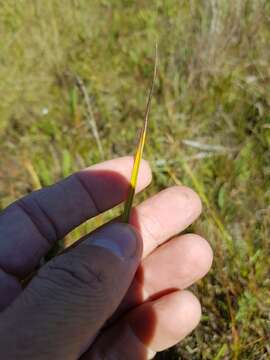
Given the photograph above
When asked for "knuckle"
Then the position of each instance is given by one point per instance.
(37, 214)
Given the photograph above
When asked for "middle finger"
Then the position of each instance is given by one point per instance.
(164, 215)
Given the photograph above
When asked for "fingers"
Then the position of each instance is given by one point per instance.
(149, 328)
(78, 291)
(29, 227)
(165, 215)
(179, 264)
(175, 265)
(174, 316)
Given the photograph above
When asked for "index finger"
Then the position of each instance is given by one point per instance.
(30, 226)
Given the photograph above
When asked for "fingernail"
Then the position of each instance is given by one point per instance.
(118, 238)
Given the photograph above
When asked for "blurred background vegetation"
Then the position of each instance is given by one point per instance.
(209, 128)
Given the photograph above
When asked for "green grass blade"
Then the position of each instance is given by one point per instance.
(139, 150)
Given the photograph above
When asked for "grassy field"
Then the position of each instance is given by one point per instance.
(209, 128)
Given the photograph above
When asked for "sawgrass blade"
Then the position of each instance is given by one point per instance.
(139, 149)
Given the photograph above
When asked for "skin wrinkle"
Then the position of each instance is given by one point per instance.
(96, 280)
(26, 208)
(89, 193)
(60, 291)
(49, 219)
(56, 283)
(70, 189)
(71, 271)
(61, 299)
(74, 267)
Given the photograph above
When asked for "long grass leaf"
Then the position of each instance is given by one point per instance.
(139, 149)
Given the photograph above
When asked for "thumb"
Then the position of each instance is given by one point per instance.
(71, 297)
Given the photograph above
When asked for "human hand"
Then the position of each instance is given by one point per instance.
(119, 293)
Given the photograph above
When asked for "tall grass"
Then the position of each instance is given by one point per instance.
(210, 128)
